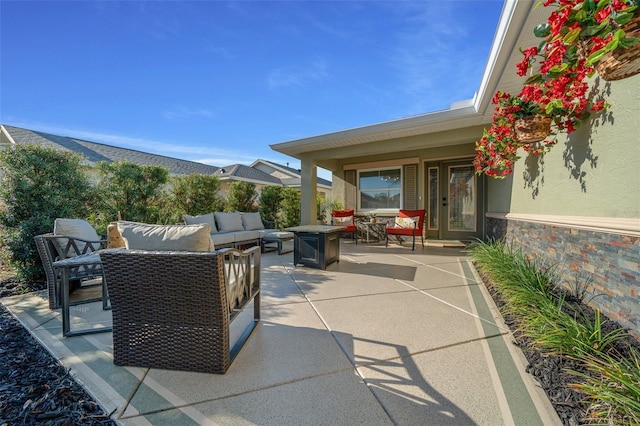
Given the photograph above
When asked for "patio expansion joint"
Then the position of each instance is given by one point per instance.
(232, 395)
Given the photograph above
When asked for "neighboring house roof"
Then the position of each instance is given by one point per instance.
(246, 173)
(294, 177)
(95, 152)
(515, 28)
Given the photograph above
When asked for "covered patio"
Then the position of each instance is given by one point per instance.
(385, 336)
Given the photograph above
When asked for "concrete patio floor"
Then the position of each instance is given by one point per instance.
(385, 336)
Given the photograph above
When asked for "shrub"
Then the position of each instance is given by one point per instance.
(132, 192)
(269, 204)
(289, 213)
(37, 185)
(195, 194)
(241, 198)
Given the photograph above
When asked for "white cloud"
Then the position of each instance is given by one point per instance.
(290, 77)
(186, 113)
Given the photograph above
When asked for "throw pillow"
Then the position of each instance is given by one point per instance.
(143, 236)
(347, 220)
(406, 222)
(203, 218)
(252, 221)
(75, 228)
(229, 222)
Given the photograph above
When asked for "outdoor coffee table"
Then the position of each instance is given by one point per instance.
(64, 266)
(316, 245)
(276, 238)
(374, 228)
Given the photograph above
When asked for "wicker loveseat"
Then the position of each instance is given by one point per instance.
(177, 309)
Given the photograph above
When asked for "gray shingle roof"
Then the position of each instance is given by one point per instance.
(94, 152)
(294, 181)
(247, 172)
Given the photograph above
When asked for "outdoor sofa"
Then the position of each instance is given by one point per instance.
(235, 229)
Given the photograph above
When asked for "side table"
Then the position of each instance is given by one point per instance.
(375, 228)
(64, 266)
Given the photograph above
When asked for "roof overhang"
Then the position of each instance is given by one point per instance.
(517, 20)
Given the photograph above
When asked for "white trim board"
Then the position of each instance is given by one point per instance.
(614, 225)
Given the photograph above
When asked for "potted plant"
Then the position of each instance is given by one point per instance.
(582, 34)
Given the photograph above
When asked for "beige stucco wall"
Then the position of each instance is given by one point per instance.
(596, 172)
(459, 144)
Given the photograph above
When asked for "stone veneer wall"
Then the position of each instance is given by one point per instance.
(606, 265)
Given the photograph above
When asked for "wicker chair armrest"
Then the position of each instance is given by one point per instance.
(241, 275)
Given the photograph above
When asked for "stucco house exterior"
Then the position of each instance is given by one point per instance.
(577, 206)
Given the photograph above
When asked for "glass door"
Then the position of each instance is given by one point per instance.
(454, 206)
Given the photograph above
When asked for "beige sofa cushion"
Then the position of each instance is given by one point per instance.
(229, 222)
(142, 236)
(252, 221)
(203, 218)
(77, 228)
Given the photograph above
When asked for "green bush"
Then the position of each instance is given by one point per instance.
(241, 197)
(132, 192)
(289, 213)
(195, 194)
(38, 185)
(269, 204)
(324, 207)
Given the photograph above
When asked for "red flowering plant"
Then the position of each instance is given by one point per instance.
(578, 34)
(497, 150)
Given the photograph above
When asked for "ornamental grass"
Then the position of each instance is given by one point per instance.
(552, 322)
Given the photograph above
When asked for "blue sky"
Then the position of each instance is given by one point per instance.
(217, 82)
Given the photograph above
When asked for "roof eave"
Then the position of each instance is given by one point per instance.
(459, 115)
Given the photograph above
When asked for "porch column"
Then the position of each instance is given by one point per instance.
(309, 187)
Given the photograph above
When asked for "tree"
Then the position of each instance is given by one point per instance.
(242, 197)
(269, 204)
(196, 194)
(37, 185)
(131, 191)
(289, 213)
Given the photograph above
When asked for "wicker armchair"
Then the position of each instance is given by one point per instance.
(57, 247)
(173, 310)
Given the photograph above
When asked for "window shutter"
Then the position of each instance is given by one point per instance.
(350, 190)
(410, 186)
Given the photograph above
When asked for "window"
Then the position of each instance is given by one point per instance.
(379, 189)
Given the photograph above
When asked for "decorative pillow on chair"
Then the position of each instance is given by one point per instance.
(229, 222)
(76, 228)
(203, 218)
(347, 220)
(143, 236)
(406, 222)
(252, 221)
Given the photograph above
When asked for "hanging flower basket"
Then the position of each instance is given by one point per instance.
(622, 63)
(533, 128)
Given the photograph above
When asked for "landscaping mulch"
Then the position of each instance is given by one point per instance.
(35, 389)
(553, 372)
